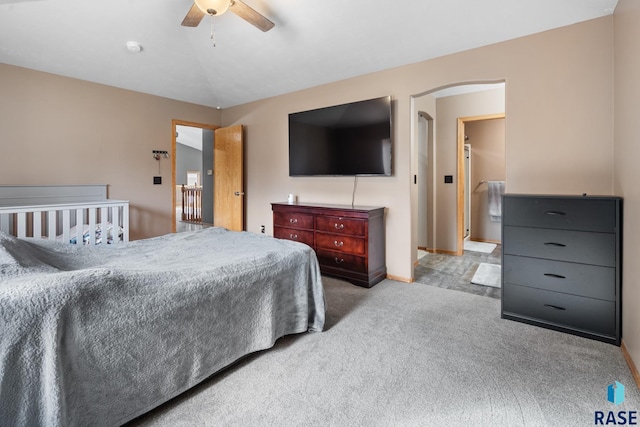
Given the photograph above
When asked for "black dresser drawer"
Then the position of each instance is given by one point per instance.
(563, 310)
(562, 245)
(570, 213)
(567, 277)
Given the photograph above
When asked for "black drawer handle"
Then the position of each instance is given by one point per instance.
(293, 236)
(338, 226)
(559, 245)
(555, 213)
(557, 276)
(293, 220)
(555, 307)
(338, 260)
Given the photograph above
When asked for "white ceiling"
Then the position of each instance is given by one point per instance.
(313, 42)
(189, 136)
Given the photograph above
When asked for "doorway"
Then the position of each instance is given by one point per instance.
(477, 186)
(439, 182)
(467, 190)
(424, 181)
(221, 175)
(192, 177)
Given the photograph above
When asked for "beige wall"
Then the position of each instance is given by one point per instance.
(554, 82)
(486, 138)
(448, 110)
(57, 130)
(558, 84)
(626, 170)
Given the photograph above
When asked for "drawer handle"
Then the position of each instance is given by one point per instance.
(293, 236)
(338, 226)
(559, 245)
(555, 307)
(555, 213)
(293, 220)
(338, 260)
(338, 244)
(557, 276)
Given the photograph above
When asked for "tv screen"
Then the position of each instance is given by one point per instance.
(349, 139)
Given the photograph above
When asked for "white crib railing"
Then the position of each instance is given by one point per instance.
(86, 222)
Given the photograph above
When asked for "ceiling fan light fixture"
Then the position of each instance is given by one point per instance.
(213, 7)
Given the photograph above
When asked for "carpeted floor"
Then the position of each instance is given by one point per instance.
(403, 354)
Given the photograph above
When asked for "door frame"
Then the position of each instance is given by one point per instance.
(460, 173)
(467, 196)
(174, 123)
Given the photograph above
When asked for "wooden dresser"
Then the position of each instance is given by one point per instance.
(349, 242)
(562, 263)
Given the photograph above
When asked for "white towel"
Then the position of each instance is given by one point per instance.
(496, 190)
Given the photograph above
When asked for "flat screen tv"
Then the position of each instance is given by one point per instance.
(342, 140)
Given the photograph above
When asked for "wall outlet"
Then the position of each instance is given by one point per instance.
(157, 180)
(263, 229)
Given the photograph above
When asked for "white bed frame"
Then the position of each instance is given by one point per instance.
(52, 211)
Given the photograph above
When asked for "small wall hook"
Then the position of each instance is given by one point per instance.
(158, 154)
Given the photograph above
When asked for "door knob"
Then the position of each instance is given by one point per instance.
(239, 193)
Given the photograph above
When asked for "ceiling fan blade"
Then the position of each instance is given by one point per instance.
(193, 18)
(250, 15)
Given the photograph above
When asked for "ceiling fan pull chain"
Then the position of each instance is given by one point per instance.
(213, 34)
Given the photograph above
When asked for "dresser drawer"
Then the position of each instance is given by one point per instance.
(304, 236)
(342, 260)
(587, 214)
(586, 314)
(562, 245)
(332, 242)
(570, 278)
(341, 225)
(293, 220)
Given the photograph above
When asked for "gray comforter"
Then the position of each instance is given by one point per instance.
(99, 335)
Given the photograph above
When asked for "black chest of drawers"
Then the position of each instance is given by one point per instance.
(562, 263)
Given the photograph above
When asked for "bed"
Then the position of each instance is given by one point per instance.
(100, 334)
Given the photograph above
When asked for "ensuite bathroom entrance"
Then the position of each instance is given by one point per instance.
(459, 164)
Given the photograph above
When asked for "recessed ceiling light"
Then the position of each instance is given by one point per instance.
(134, 47)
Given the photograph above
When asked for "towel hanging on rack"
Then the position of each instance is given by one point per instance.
(496, 190)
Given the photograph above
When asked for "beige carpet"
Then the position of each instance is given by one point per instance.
(402, 354)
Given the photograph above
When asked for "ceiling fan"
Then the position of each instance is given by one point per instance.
(200, 8)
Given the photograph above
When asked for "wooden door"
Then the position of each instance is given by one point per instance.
(228, 188)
